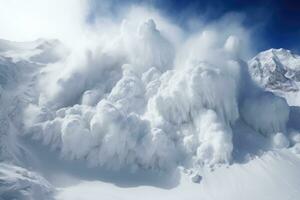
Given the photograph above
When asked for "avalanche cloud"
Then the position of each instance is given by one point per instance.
(141, 96)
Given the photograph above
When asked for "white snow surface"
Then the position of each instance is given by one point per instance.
(137, 117)
(272, 176)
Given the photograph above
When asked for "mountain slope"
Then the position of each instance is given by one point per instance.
(19, 64)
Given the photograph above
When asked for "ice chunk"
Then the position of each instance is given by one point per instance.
(196, 178)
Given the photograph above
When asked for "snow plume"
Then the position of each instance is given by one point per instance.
(197, 97)
(139, 91)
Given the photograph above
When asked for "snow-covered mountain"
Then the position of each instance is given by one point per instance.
(136, 111)
(276, 69)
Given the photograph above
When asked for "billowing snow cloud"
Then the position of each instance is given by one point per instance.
(139, 91)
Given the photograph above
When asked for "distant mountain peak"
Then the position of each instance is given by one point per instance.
(276, 69)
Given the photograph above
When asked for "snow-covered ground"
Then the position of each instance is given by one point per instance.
(145, 115)
(274, 175)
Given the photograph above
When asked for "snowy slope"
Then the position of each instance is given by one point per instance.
(18, 70)
(19, 63)
(19, 183)
(135, 117)
(272, 176)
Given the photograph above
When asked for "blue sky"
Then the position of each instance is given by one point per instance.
(275, 22)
